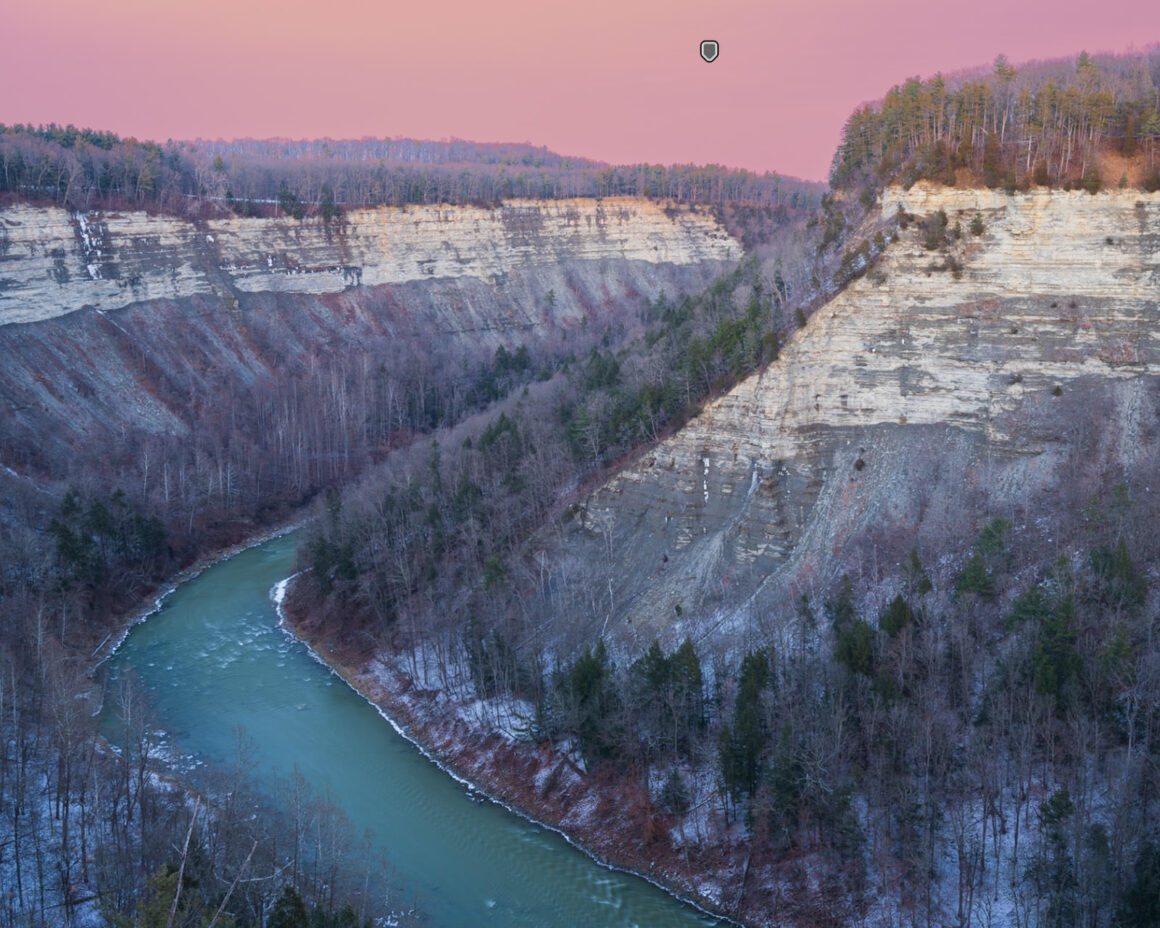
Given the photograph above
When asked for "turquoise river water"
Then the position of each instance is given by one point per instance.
(213, 658)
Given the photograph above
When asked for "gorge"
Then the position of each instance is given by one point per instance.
(981, 392)
(800, 560)
(117, 324)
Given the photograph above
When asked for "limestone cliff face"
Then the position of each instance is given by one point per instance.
(53, 262)
(917, 396)
(119, 323)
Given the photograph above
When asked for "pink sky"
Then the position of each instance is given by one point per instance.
(618, 80)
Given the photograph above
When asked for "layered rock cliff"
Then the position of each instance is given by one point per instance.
(1007, 372)
(55, 262)
(119, 322)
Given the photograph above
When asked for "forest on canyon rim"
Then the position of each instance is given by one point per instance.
(846, 749)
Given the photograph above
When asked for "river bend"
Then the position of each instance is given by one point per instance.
(213, 658)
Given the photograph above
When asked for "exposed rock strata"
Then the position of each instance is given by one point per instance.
(53, 262)
(121, 323)
(917, 394)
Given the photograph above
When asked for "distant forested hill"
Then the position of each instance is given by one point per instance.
(83, 169)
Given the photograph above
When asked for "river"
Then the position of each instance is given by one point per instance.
(213, 658)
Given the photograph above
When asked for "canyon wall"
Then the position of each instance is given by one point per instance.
(121, 323)
(53, 262)
(996, 376)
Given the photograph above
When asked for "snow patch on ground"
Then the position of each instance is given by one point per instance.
(443, 722)
(19, 476)
(509, 718)
(583, 812)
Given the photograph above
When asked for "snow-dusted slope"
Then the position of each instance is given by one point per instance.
(913, 389)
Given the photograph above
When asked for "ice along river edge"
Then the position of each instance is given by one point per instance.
(206, 610)
(278, 595)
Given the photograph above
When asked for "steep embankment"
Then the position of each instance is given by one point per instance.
(117, 322)
(917, 400)
(1009, 368)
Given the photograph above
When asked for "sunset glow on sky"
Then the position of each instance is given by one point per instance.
(617, 80)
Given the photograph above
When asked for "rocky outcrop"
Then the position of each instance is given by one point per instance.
(53, 262)
(942, 384)
(122, 324)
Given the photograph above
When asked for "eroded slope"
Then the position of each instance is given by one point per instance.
(917, 400)
(120, 323)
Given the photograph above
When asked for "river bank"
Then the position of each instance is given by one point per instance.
(610, 818)
(152, 601)
(227, 686)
